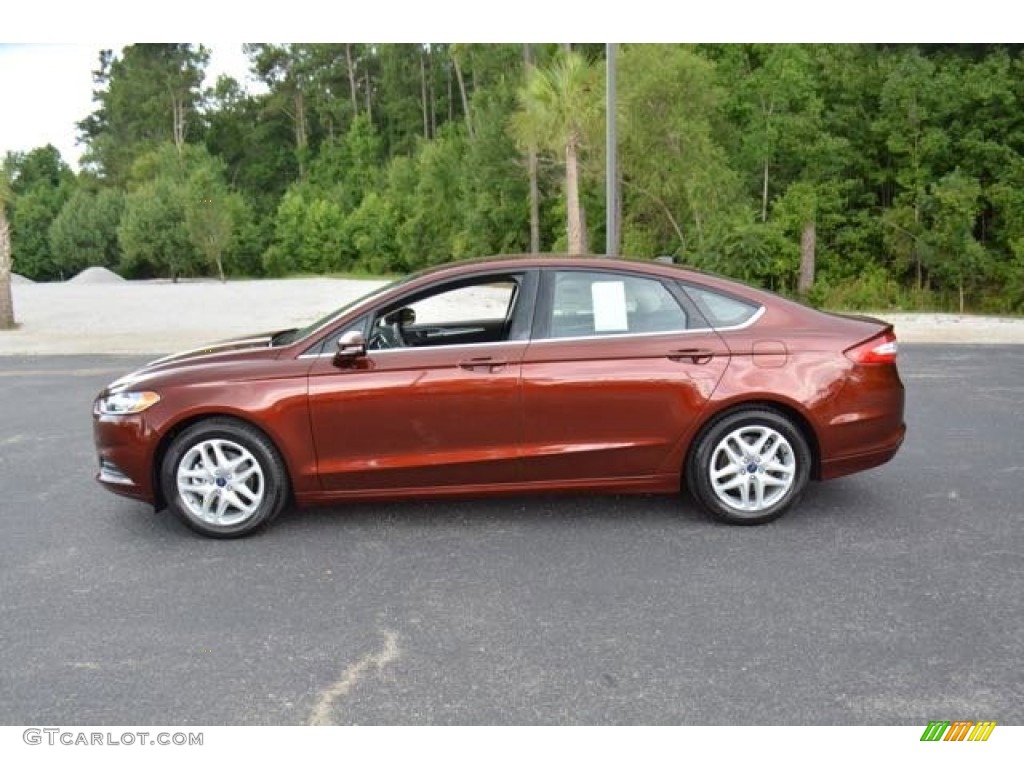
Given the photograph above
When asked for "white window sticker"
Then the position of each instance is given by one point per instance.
(609, 306)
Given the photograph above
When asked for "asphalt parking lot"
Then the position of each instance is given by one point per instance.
(892, 597)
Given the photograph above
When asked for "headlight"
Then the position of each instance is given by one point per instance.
(125, 402)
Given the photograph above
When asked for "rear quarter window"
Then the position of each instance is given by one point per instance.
(721, 309)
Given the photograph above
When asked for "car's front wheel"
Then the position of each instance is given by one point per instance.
(749, 466)
(224, 478)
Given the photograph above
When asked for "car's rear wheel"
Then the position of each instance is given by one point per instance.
(224, 478)
(749, 466)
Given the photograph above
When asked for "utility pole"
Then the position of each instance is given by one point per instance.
(611, 175)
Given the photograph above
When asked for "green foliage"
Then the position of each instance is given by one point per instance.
(308, 236)
(559, 103)
(955, 256)
(679, 188)
(348, 168)
(908, 160)
(210, 213)
(153, 235)
(399, 88)
(41, 183)
(559, 111)
(429, 234)
(755, 252)
(250, 235)
(872, 289)
(84, 234)
(371, 234)
(1012, 298)
(254, 144)
(179, 213)
(148, 95)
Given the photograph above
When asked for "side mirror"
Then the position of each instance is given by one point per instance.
(351, 345)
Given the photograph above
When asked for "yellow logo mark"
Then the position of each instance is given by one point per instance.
(959, 730)
(982, 730)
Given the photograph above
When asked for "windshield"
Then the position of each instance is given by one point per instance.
(297, 334)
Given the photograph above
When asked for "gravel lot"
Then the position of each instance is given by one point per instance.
(88, 317)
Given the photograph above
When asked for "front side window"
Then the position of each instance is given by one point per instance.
(604, 303)
(469, 313)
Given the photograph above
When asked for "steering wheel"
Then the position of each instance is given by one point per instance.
(388, 333)
(385, 337)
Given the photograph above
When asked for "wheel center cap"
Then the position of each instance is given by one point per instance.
(751, 468)
(221, 482)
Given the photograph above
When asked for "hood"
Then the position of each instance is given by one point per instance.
(227, 345)
(190, 362)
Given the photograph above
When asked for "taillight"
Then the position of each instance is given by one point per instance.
(880, 349)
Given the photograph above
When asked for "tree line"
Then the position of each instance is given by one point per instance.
(859, 176)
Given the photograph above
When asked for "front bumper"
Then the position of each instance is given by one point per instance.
(125, 446)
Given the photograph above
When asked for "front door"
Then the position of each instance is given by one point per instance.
(436, 401)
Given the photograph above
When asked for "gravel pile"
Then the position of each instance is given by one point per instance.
(96, 276)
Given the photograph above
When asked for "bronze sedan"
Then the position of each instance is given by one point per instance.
(508, 376)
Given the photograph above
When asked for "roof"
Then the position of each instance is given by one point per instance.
(520, 261)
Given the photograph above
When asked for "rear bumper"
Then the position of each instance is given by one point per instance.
(847, 465)
(866, 426)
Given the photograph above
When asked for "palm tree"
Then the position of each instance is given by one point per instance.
(6, 300)
(558, 105)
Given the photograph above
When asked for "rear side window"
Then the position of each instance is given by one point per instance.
(604, 303)
(721, 310)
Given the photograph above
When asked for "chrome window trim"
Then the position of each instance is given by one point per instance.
(491, 344)
(724, 294)
(488, 344)
(606, 336)
(745, 324)
(519, 276)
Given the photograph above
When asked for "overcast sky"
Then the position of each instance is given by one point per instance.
(46, 89)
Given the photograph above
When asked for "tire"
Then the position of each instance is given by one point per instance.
(224, 478)
(749, 466)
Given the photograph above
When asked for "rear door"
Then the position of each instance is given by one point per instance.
(620, 367)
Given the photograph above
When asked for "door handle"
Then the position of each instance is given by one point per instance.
(492, 364)
(696, 355)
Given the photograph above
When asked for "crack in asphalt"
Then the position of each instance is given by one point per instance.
(351, 676)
